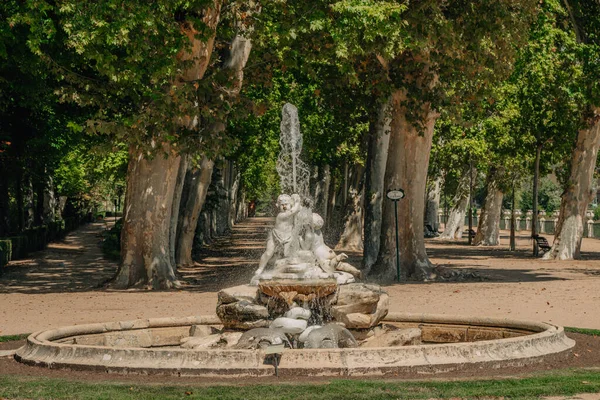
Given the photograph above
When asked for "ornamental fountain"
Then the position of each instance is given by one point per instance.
(304, 302)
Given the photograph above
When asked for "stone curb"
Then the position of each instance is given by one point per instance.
(543, 340)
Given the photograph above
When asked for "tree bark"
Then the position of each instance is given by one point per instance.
(49, 201)
(406, 168)
(578, 193)
(322, 191)
(433, 203)
(4, 202)
(179, 185)
(351, 237)
(145, 255)
(456, 219)
(234, 193)
(192, 201)
(488, 230)
(29, 203)
(377, 155)
(146, 235)
(536, 184)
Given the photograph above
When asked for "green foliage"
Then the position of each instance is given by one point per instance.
(333, 127)
(111, 241)
(548, 196)
(597, 213)
(123, 61)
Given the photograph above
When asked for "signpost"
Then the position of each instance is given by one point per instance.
(395, 195)
(275, 351)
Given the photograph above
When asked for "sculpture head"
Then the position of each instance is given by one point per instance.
(284, 202)
(317, 221)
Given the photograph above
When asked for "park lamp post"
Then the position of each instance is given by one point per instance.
(395, 195)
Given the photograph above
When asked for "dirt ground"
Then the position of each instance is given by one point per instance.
(63, 285)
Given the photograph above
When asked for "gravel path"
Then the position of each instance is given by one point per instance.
(63, 284)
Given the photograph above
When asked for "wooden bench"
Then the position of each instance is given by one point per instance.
(542, 243)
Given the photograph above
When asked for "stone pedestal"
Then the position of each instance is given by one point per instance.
(356, 305)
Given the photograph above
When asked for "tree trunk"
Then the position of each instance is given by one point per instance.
(330, 203)
(578, 194)
(179, 184)
(456, 219)
(488, 230)
(536, 184)
(192, 201)
(406, 169)
(322, 191)
(4, 202)
(29, 204)
(351, 237)
(49, 201)
(19, 199)
(377, 155)
(151, 183)
(433, 203)
(145, 255)
(234, 193)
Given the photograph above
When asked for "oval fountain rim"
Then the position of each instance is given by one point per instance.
(545, 339)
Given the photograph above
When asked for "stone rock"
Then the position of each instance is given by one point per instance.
(231, 338)
(358, 293)
(400, 337)
(202, 330)
(262, 337)
(289, 325)
(304, 335)
(360, 305)
(343, 278)
(242, 314)
(238, 293)
(330, 336)
(204, 342)
(298, 313)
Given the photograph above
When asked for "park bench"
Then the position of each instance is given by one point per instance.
(430, 232)
(542, 243)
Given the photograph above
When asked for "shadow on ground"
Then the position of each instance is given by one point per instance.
(76, 264)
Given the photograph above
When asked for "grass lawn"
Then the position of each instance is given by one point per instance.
(559, 383)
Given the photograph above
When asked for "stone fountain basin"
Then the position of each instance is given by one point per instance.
(151, 347)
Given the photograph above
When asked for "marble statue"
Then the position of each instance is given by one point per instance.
(296, 249)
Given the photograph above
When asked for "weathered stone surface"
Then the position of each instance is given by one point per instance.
(401, 337)
(444, 334)
(243, 315)
(262, 337)
(204, 342)
(202, 330)
(141, 338)
(289, 325)
(330, 336)
(238, 293)
(170, 336)
(360, 306)
(358, 293)
(476, 334)
(298, 313)
(231, 338)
